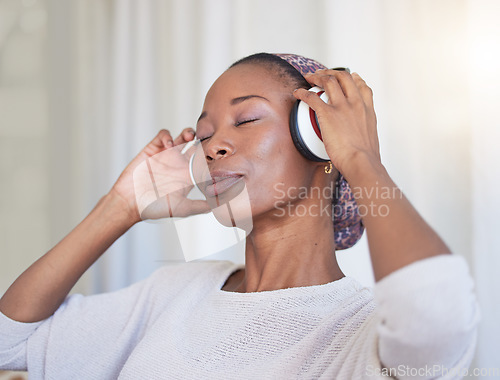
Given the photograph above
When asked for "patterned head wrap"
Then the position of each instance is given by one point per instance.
(347, 224)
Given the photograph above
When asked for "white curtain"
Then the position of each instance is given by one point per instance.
(484, 79)
(105, 54)
(128, 68)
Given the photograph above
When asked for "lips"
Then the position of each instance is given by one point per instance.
(221, 182)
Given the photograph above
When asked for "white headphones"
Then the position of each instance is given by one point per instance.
(305, 130)
(188, 145)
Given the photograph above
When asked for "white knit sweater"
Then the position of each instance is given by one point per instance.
(179, 324)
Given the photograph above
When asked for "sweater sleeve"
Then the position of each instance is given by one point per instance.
(91, 336)
(13, 338)
(428, 319)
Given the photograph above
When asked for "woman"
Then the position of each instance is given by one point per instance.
(290, 312)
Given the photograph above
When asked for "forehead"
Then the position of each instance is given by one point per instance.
(247, 78)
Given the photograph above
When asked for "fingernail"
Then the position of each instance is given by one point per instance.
(170, 143)
(191, 132)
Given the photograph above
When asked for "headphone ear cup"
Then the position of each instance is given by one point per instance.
(305, 136)
(296, 136)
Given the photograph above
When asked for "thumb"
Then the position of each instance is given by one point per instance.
(157, 209)
(199, 207)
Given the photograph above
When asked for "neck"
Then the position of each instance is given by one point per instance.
(290, 251)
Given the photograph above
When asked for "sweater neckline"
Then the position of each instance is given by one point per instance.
(344, 286)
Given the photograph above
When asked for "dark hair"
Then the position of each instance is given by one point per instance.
(285, 72)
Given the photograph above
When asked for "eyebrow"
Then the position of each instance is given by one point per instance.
(243, 98)
(236, 101)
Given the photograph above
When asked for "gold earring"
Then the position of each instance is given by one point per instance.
(328, 168)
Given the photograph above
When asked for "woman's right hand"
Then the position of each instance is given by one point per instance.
(40, 290)
(171, 174)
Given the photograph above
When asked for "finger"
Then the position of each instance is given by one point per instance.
(344, 79)
(310, 98)
(365, 91)
(333, 89)
(157, 210)
(188, 207)
(186, 135)
(163, 139)
(199, 207)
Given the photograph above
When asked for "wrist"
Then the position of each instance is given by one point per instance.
(362, 166)
(118, 209)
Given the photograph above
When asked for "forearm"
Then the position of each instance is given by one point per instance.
(39, 291)
(397, 234)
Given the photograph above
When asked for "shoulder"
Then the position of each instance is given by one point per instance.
(165, 283)
(181, 275)
(181, 270)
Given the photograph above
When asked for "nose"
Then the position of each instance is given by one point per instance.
(217, 148)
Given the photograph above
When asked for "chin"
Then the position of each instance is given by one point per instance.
(234, 211)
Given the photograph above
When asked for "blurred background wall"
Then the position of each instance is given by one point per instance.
(85, 84)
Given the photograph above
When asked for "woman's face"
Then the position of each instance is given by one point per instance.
(246, 140)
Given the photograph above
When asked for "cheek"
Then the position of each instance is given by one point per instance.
(278, 165)
(274, 145)
(273, 152)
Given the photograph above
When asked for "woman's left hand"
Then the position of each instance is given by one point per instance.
(348, 122)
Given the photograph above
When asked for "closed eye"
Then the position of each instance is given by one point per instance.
(237, 124)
